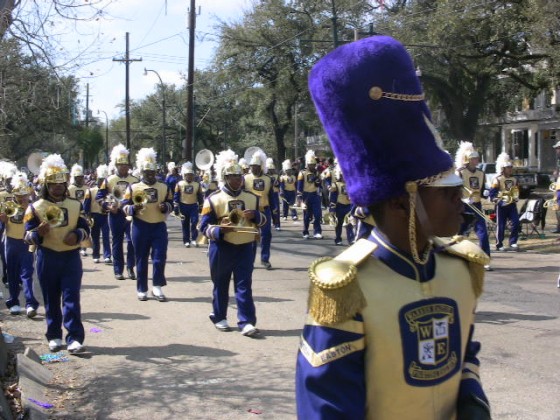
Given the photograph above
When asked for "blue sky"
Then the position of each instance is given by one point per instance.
(158, 34)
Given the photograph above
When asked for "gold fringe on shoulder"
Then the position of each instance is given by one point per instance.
(334, 293)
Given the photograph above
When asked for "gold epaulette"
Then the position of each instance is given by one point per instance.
(470, 252)
(334, 293)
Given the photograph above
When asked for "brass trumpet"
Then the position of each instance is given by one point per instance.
(11, 208)
(237, 222)
(551, 204)
(510, 196)
(140, 198)
(552, 186)
(473, 195)
(54, 216)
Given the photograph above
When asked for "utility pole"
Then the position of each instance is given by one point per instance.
(127, 60)
(334, 24)
(87, 105)
(163, 123)
(188, 146)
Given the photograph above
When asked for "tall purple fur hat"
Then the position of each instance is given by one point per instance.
(371, 104)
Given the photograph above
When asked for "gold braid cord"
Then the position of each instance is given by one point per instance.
(412, 189)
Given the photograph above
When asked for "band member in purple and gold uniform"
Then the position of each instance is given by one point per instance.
(288, 190)
(187, 200)
(55, 225)
(260, 184)
(172, 176)
(340, 206)
(110, 196)
(149, 202)
(18, 257)
(209, 184)
(7, 171)
(474, 180)
(77, 189)
(389, 333)
(271, 172)
(309, 194)
(505, 194)
(100, 227)
(230, 220)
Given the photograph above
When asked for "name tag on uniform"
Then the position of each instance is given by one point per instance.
(189, 189)
(258, 184)
(311, 178)
(80, 194)
(17, 219)
(474, 183)
(508, 184)
(122, 185)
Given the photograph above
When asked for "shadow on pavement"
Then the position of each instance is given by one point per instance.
(502, 318)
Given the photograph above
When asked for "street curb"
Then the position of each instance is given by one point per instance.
(5, 410)
(34, 379)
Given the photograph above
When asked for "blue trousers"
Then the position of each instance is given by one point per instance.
(60, 277)
(503, 214)
(289, 200)
(3, 254)
(479, 228)
(119, 228)
(188, 225)
(341, 211)
(20, 272)
(227, 259)
(100, 227)
(266, 236)
(275, 204)
(146, 237)
(313, 203)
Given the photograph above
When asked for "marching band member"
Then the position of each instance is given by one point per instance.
(7, 171)
(110, 195)
(231, 249)
(340, 206)
(172, 176)
(56, 225)
(260, 184)
(309, 192)
(505, 194)
(77, 189)
(19, 259)
(100, 219)
(288, 190)
(209, 184)
(389, 333)
(271, 172)
(187, 199)
(149, 202)
(466, 160)
(244, 166)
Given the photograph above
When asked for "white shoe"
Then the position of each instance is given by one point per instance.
(318, 236)
(75, 347)
(108, 261)
(249, 330)
(558, 282)
(83, 252)
(158, 294)
(187, 244)
(31, 312)
(142, 296)
(306, 236)
(194, 243)
(277, 228)
(222, 325)
(96, 260)
(487, 267)
(515, 247)
(55, 345)
(15, 310)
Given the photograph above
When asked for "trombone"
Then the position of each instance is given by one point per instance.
(510, 196)
(474, 194)
(236, 222)
(11, 208)
(140, 198)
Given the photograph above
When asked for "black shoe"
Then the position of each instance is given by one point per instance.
(119, 276)
(131, 274)
(266, 265)
(555, 231)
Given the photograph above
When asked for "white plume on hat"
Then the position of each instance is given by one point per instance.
(259, 158)
(52, 165)
(502, 161)
(170, 166)
(76, 170)
(119, 154)
(187, 168)
(7, 169)
(225, 161)
(287, 164)
(102, 171)
(270, 164)
(20, 183)
(243, 163)
(310, 157)
(465, 152)
(146, 159)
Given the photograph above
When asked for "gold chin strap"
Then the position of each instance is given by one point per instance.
(412, 189)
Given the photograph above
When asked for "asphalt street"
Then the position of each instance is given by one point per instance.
(153, 360)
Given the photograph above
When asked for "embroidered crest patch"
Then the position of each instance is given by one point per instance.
(431, 339)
